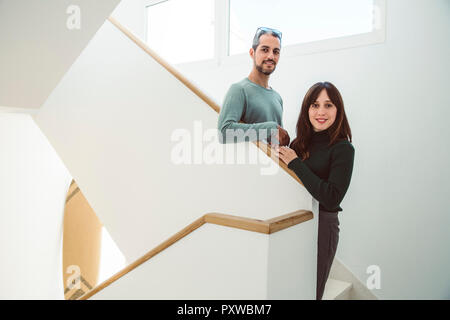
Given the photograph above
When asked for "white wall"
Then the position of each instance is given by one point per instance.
(33, 187)
(133, 12)
(395, 213)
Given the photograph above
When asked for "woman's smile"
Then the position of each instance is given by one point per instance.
(322, 112)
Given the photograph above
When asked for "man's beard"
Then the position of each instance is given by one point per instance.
(260, 68)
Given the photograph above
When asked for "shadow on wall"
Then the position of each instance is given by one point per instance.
(90, 256)
(81, 245)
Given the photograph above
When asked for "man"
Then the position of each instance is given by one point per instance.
(252, 100)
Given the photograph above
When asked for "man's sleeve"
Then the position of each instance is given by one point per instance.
(282, 109)
(230, 130)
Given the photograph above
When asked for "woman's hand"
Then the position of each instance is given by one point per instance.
(286, 154)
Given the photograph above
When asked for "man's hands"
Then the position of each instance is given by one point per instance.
(282, 137)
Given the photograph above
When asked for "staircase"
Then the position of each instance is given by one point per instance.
(337, 290)
(112, 120)
(221, 256)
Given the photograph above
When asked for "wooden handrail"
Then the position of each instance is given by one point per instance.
(195, 90)
(165, 64)
(262, 226)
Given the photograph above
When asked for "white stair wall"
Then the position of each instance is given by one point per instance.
(33, 188)
(337, 290)
(339, 271)
(218, 262)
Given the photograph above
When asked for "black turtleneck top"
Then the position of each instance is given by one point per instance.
(327, 172)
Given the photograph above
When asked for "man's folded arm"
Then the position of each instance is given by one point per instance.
(229, 126)
(232, 131)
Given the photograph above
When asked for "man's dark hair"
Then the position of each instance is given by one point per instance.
(262, 31)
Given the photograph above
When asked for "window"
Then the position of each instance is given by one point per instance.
(192, 30)
(300, 21)
(181, 30)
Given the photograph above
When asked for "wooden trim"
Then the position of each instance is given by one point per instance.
(262, 226)
(74, 192)
(194, 89)
(267, 227)
(72, 187)
(166, 65)
(237, 222)
(288, 220)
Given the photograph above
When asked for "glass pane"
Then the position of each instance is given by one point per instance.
(300, 21)
(182, 30)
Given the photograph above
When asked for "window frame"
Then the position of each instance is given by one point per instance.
(222, 40)
(217, 46)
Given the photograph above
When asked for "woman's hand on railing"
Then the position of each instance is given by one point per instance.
(286, 154)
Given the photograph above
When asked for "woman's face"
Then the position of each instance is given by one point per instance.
(322, 112)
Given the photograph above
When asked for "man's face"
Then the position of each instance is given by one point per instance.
(266, 55)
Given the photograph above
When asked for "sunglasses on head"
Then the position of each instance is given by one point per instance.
(262, 30)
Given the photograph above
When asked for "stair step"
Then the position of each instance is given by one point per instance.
(337, 290)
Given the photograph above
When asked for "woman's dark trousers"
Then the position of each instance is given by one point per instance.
(328, 239)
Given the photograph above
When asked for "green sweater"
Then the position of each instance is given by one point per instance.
(326, 174)
(259, 108)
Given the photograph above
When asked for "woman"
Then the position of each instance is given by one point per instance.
(322, 157)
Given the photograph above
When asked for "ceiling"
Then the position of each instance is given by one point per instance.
(37, 47)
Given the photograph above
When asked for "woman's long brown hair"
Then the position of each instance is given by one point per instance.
(339, 130)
